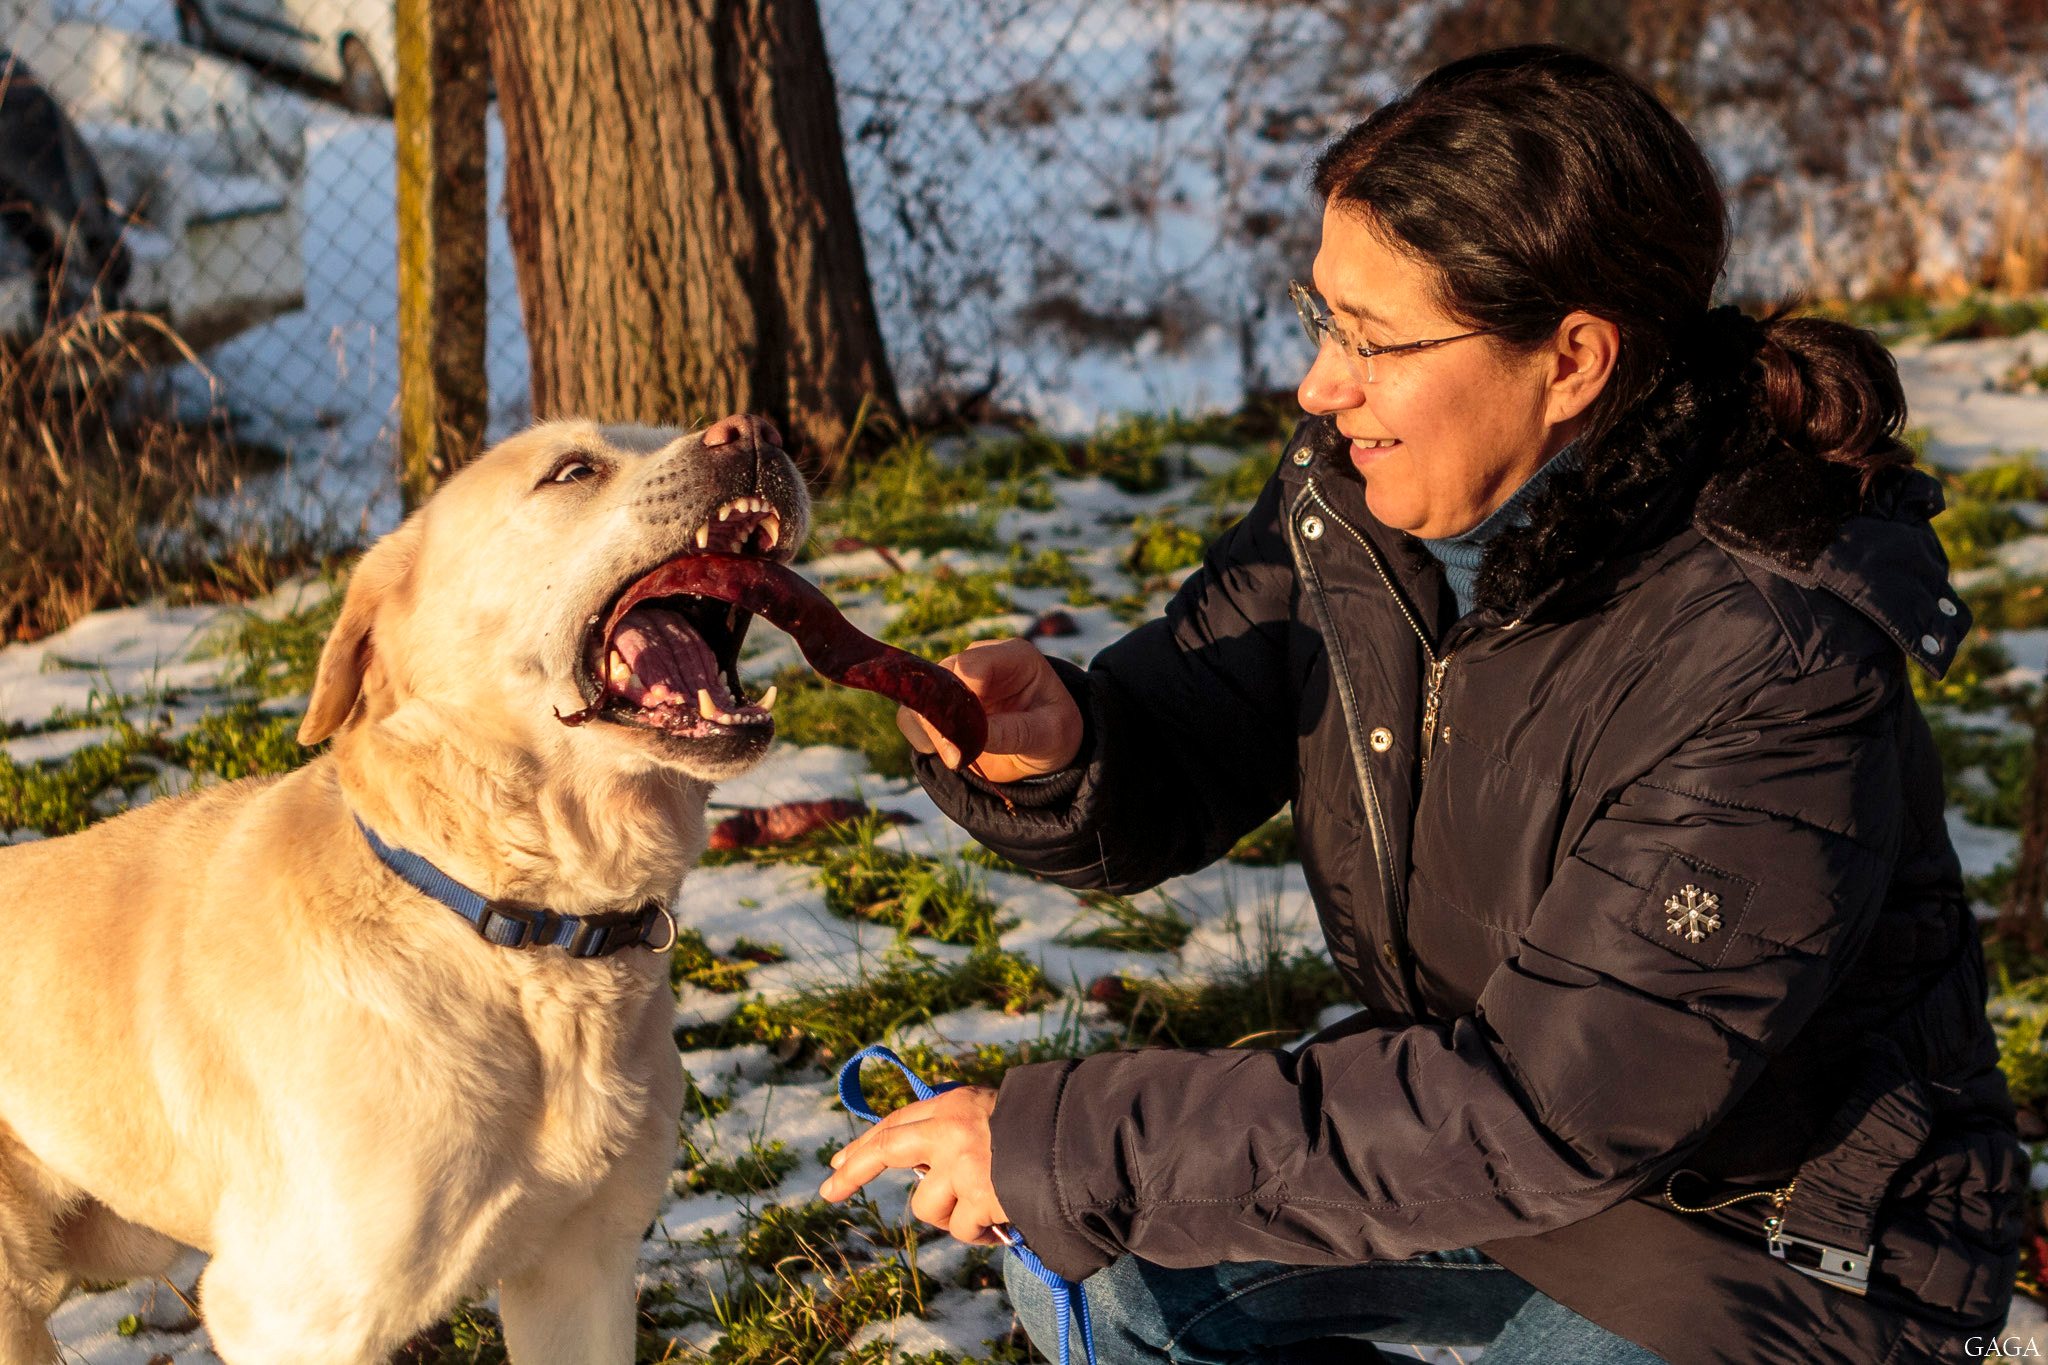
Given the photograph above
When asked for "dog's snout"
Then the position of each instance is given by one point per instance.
(729, 488)
(754, 429)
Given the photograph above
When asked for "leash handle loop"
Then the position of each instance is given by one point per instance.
(1069, 1299)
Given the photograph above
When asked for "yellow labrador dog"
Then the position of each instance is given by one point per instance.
(232, 1025)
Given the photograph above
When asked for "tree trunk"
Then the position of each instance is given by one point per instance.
(443, 216)
(2020, 920)
(681, 218)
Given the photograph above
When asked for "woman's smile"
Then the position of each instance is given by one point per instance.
(1370, 450)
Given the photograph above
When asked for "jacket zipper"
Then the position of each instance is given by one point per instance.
(1375, 819)
(1433, 697)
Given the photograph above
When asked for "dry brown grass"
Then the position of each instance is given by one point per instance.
(106, 496)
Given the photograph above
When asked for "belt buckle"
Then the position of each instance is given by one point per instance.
(1830, 1265)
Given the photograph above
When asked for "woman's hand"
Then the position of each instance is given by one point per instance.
(1033, 725)
(947, 1138)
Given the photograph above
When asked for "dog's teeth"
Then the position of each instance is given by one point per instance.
(725, 512)
(771, 531)
(704, 535)
(705, 707)
(767, 701)
(633, 683)
(619, 670)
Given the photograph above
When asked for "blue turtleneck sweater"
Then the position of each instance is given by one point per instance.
(1460, 555)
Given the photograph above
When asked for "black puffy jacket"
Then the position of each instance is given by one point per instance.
(1665, 909)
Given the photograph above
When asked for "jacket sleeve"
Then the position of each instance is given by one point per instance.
(1190, 732)
(1606, 1047)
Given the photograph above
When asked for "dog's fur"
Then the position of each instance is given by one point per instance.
(230, 1027)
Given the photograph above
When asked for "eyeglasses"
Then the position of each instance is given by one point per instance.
(1320, 326)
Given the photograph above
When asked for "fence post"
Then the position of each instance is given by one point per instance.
(443, 81)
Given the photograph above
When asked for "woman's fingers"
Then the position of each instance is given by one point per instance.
(925, 738)
(1033, 724)
(948, 1135)
(933, 1200)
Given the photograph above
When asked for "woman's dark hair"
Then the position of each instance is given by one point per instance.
(1537, 180)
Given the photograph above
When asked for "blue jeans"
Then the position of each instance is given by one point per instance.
(1269, 1314)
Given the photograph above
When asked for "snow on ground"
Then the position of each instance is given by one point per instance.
(1952, 390)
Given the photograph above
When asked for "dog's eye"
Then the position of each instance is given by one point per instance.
(572, 469)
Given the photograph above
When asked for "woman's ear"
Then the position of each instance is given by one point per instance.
(1582, 358)
(345, 658)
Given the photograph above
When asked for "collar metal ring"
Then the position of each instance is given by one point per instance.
(670, 921)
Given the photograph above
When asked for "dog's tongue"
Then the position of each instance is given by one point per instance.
(831, 644)
(662, 663)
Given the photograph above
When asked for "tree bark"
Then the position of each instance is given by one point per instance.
(681, 218)
(2020, 919)
(443, 215)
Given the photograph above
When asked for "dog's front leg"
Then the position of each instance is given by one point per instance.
(574, 1303)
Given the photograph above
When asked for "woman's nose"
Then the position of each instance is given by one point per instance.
(1329, 386)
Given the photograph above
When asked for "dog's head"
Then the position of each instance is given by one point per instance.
(486, 610)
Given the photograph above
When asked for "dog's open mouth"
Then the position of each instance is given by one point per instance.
(673, 664)
(670, 662)
(665, 655)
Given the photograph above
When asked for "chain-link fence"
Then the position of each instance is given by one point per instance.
(1076, 206)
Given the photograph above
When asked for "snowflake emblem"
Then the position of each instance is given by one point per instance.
(1692, 913)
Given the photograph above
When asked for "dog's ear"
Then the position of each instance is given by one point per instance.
(345, 658)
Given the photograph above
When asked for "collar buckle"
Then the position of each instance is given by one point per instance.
(516, 926)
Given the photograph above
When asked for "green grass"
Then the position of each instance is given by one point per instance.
(1050, 568)
(935, 898)
(1972, 529)
(1267, 996)
(2024, 376)
(941, 600)
(984, 1064)
(809, 710)
(2010, 478)
(2004, 758)
(1132, 453)
(759, 1169)
(696, 964)
(803, 1233)
(1967, 684)
(280, 657)
(805, 1314)
(92, 783)
(909, 988)
(700, 1103)
(469, 1336)
(1240, 485)
(1159, 545)
(242, 741)
(1270, 845)
(2019, 1015)
(1983, 315)
(1112, 921)
(904, 499)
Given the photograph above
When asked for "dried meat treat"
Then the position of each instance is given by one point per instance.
(831, 644)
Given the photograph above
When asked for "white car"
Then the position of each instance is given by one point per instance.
(347, 44)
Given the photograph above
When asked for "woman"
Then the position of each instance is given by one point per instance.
(1576, 624)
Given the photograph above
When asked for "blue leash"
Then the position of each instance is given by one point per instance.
(1068, 1298)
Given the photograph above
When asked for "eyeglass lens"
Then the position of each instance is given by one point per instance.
(1320, 326)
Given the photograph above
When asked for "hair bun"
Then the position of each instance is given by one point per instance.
(1833, 390)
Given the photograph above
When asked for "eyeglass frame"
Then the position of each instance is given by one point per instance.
(1320, 323)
